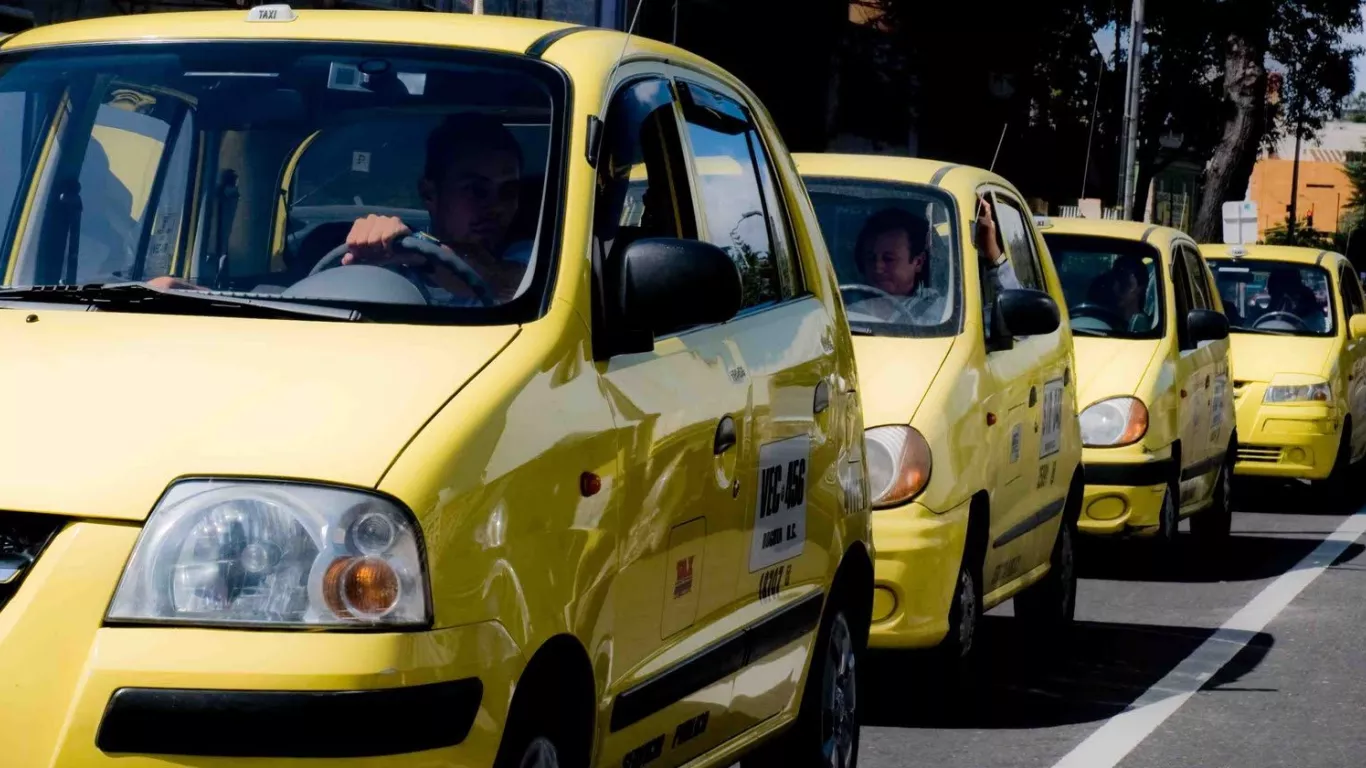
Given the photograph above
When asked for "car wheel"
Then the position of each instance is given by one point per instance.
(965, 615)
(1333, 489)
(1211, 526)
(1170, 518)
(826, 733)
(535, 738)
(1050, 604)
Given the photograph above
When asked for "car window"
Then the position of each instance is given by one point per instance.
(1023, 270)
(1113, 286)
(1185, 299)
(210, 130)
(1200, 295)
(896, 253)
(1351, 292)
(725, 152)
(1275, 297)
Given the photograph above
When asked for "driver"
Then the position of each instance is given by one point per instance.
(1290, 294)
(470, 186)
(893, 252)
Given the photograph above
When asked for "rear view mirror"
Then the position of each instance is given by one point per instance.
(668, 285)
(1208, 325)
(1356, 325)
(1028, 312)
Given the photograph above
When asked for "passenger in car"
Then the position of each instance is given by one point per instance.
(471, 184)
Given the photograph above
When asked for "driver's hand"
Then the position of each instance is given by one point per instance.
(371, 242)
(986, 231)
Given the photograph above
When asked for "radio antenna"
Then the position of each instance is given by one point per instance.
(999, 142)
(630, 29)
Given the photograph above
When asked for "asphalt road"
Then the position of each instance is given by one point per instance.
(1148, 679)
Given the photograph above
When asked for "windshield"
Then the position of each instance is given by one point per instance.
(1113, 287)
(895, 249)
(1277, 297)
(243, 168)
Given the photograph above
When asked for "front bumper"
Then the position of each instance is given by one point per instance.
(78, 694)
(1124, 498)
(1298, 440)
(914, 574)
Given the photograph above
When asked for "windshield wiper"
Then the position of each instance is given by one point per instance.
(1264, 331)
(1089, 332)
(123, 297)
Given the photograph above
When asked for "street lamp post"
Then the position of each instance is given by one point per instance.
(1135, 82)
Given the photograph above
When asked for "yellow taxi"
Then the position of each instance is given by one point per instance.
(1153, 378)
(375, 379)
(969, 394)
(1298, 323)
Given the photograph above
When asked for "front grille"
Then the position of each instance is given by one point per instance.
(23, 536)
(1266, 454)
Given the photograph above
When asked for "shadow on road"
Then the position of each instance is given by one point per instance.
(1242, 558)
(1096, 674)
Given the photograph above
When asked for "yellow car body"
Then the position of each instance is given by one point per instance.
(1292, 437)
(588, 522)
(1000, 486)
(1185, 445)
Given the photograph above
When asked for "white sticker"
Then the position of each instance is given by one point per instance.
(1015, 443)
(1051, 438)
(780, 509)
(360, 162)
(1216, 418)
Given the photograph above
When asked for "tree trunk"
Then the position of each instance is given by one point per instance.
(1227, 174)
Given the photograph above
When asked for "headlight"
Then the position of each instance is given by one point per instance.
(286, 554)
(898, 464)
(1319, 392)
(1113, 422)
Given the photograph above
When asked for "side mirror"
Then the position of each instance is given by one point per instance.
(1356, 325)
(1208, 325)
(1028, 312)
(668, 285)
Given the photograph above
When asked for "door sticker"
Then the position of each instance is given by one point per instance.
(780, 510)
(1050, 440)
(1216, 417)
(360, 162)
(1015, 443)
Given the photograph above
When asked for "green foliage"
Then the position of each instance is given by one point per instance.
(1305, 237)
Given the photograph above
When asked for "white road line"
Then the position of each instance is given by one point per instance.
(1120, 734)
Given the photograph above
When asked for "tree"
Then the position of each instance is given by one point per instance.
(1307, 37)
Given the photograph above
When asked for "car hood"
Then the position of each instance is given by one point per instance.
(1258, 357)
(105, 409)
(895, 374)
(1110, 367)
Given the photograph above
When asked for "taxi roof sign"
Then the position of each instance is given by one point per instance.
(1240, 222)
(278, 12)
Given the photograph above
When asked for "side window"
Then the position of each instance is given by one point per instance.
(642, 189)
(1350, 286)
(730, 168)
(1200, 295)
(1181, 288)
(1023, 270)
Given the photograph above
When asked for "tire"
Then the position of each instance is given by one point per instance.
(1169, 520)
(536, 737)
(540, 752)
(1049, 606)
(1211, 526)
(826, 734)
(1332, 490)
(965, 619)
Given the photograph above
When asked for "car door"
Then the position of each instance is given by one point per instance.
(1220, 395)
(1031, 373)
(683, 409)
(1349, 286)
(1190, 380)
(778, 544)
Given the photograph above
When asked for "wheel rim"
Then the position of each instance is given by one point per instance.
(1169, 516)
(967, 612)
(839, 695)
(540, 753)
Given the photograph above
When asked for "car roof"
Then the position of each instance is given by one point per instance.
(1116, 228)
(447, 30)
(911, 170)
(1291, 253)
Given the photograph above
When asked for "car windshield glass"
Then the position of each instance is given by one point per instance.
(1278, 297)
(1113, 287)
(895, 249)
(242, 167)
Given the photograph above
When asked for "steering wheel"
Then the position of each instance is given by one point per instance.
(1285, 317)
(878, 293)
(1098, 312)
(426, 248)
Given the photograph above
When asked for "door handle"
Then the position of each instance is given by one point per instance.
(1033, 396)
(822, 398)
(725, 435)
(1207, 380)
